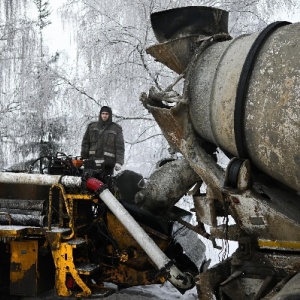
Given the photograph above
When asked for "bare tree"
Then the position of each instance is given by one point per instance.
(27, 85)
(52, 105)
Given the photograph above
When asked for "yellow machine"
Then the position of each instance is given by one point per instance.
(57, 233)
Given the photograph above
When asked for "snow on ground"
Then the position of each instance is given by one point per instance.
(155, 291)
(164, 291)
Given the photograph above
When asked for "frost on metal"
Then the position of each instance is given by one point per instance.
(166, 186)
(39, 179)
(176, 126)
(22, 219)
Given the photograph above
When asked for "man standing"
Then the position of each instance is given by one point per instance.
(103, 142)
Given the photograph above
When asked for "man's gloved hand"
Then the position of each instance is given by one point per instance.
(118, 167)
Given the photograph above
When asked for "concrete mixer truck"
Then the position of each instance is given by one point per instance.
(240, 95)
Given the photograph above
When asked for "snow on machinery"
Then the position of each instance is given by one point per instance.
(241, 95)
(72, 228)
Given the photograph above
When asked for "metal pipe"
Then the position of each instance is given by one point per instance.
(30, 205)
(21, 219)
(166, 186)
(21, 211)
(39, 179)
(174, 275)
(7, 215)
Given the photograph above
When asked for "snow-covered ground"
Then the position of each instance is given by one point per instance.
(155, 291)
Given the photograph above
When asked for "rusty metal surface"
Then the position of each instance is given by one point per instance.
(208, 282)
(166, 186)
(175, 54)
(201, 20)
(205, 210)
(180, 31)
(177, 128)
(244, 288)
(266, 218)
(272, 104)
(136, 270)
(284, 261)
(291, 290)
(273, 107)
(23, 268)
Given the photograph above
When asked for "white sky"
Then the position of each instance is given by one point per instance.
(59, 35)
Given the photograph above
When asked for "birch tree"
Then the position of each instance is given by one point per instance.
(27, 83)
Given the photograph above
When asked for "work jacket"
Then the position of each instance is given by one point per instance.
(103, 142)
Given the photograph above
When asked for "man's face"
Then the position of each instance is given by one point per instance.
(104, 116)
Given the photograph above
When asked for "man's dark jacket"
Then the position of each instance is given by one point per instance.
(104, 142)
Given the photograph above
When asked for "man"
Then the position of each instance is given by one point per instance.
(103, 142)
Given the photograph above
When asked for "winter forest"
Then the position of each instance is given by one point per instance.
(60, 61)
